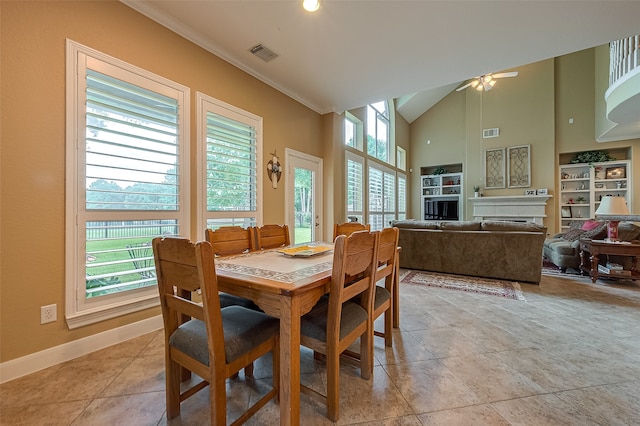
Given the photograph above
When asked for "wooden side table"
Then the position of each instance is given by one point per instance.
(590, 251)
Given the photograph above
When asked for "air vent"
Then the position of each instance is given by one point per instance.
(490, 133)
(263, 53)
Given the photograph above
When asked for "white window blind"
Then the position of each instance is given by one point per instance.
(355, 186)
(382, 182)
(402, 197)
(131, 146)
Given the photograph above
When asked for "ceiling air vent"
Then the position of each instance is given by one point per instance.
(491, 133)
(263, 53)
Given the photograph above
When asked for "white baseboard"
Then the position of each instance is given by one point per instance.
(40, 360)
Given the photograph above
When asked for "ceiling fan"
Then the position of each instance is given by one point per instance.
(487, 81)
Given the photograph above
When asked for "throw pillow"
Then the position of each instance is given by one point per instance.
(627, 231)
(591, 224)
(573, 234)
(597, 233)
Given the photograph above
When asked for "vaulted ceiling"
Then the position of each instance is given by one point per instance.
(351, 53)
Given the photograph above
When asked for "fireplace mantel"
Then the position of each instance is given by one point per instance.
(518, 208)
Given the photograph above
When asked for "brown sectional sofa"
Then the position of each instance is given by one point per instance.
(491, 249)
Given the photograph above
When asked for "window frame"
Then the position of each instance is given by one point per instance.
(204, 104)
(80, 310)
(358, 126)
(380, 116)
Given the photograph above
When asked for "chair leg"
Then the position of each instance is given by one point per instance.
(366, 353)
(388, 326)
(248, 370)
(395, 296)
(218, 402)
(333, 386)
(173, 374)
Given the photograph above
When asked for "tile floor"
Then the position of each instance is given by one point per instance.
(569, 355)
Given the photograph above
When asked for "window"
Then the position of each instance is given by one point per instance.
(402, 197)
(355, 186)
(352, 131)
(127, 182)
(382, 197)
(229, 146)
(378, 131)
(401, 158)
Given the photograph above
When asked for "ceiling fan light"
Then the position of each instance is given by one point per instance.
(480, 87)
(311, 5)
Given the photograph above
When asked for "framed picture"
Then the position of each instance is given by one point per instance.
(566, 211)
(494, 168)
(519, 166)
(616, 173)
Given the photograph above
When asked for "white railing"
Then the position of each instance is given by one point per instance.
(624, 57)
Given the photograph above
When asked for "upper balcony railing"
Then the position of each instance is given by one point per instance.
(624, 57)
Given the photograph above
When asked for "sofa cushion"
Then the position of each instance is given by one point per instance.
(563, 247)
(459, 226)
(501, 225)
(415, 224)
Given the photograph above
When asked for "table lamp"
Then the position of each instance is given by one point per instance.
(613, 209)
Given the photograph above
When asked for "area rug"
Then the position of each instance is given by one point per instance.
(550, 269)
(492, 287)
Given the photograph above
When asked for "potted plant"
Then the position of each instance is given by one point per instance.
(580, 200)
(476, 191)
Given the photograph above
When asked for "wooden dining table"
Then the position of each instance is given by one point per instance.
(286, 287)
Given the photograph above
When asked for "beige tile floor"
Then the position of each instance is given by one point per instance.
(569, 355)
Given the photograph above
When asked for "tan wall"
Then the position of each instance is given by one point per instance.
(533, 108)
(33, 143)
(581, 80)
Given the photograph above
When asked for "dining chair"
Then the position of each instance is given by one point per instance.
(383, 298)
(336, 321)
(348, 228)
(228, 241)
(272, 236)
(210, 341)
(383, 302)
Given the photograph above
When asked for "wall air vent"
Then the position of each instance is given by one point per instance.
(263, 53)
(491, 133)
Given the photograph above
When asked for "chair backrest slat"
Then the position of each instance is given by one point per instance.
(349, 228)
(354, 256)
(387, 254)
(272, 236)
(230, 240)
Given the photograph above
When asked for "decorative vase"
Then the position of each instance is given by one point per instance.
(476, 194)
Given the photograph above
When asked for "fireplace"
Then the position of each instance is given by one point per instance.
(525, 208)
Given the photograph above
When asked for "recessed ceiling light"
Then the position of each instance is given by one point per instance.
(311, 5)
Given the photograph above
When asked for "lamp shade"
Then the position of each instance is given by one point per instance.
(612, 206)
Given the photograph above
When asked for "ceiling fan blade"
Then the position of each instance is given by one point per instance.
(505, 74)
(461, 88)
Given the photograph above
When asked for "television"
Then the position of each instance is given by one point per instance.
(440, 209)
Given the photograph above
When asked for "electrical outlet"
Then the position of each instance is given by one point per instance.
(48, 313)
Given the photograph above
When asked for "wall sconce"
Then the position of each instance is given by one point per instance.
(274, 170)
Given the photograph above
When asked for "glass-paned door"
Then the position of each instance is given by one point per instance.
(304, 194)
